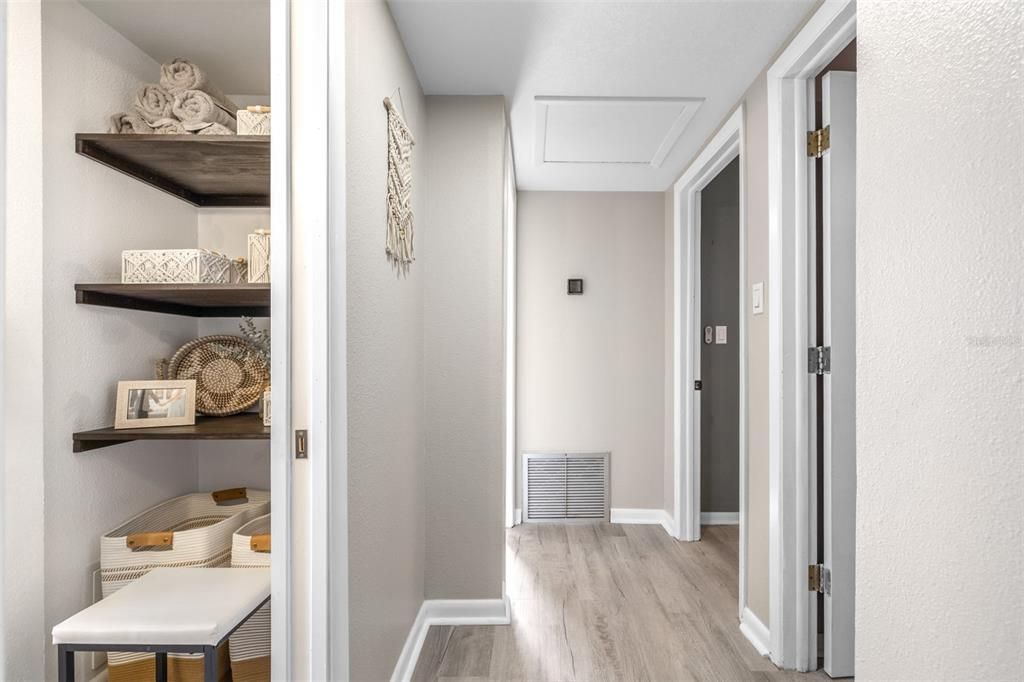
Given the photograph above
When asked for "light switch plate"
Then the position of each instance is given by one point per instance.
(721, 334)
(757, 298)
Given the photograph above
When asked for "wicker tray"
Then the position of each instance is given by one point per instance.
(229, 377)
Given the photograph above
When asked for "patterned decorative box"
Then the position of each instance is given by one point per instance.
(259, 257)
(175, 266)
(252, 122)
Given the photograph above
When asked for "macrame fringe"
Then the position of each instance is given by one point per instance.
(399, 244)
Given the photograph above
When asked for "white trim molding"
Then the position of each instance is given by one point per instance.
(652, 517)
(447, 612)
(517, 517)
(719, 518)
(755, 631)
(282, 616)
(790, 318)
(727, 144)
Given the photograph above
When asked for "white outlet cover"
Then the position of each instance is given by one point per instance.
(721, 334)
(757, 298)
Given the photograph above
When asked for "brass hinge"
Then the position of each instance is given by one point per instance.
(819, 579)
(817, 142)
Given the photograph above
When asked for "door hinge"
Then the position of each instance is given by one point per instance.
(817, 142)
(819, 579)
(698, 385)
(819, 360)
(301, 444)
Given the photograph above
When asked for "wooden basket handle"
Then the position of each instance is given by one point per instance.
(260, 543)
(158, 539)
(228, 494)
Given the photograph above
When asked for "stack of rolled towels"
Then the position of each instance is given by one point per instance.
(184, 102)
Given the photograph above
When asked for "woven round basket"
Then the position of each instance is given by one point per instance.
(229, 377)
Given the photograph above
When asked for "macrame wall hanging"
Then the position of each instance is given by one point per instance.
(399, 247)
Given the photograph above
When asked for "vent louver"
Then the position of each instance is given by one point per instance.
(565, 487)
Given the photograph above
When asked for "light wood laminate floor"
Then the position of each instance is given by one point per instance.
(596, 602)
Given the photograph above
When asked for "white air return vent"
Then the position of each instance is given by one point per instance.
(565, 487)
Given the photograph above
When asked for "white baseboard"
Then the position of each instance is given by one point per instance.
(755, 631)
(658, 517)
(447, 612)
(719, 518)
(517, 517)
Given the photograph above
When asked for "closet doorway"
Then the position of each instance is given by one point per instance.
(717, 407)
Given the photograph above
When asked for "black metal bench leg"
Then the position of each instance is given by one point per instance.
(65, 663)
(210, 664)
(161, 666)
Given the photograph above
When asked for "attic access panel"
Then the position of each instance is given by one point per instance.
(610, 130)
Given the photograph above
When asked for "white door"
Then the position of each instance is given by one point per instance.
(839, 114)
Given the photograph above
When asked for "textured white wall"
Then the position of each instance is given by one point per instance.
(591, 367)
(90, 214)
(940, 407)
(385, 354)
(464, 347)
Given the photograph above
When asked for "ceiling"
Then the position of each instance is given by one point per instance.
(229, 39)
(603, 96)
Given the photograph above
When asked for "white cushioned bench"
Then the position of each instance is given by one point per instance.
(168, 610)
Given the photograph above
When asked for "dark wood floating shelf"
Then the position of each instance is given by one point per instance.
(194, 300)
(204, 170)
(246, 426)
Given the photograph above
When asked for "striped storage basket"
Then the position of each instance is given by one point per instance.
(192, 530)
(250, 643)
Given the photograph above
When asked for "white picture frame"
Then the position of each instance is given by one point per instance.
(155, 402)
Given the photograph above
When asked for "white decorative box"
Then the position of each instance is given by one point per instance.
(252, 122)
(259, 257)
(175, 266)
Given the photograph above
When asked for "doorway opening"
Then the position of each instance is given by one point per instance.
(724, 151)
(717, 404)
(811, 348)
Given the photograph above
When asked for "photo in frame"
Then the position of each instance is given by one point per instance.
(155, 402)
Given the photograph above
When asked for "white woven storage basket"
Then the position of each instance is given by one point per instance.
(250, 643)
(192, 531)
(175, 266)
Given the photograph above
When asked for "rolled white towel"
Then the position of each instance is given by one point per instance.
(168, 126)
(153, 103)
(128, 123)
(195, 106)
(180, 74)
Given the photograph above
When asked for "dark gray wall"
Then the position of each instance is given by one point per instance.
(720, 363)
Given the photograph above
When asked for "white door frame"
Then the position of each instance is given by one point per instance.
(509, 374)
(309, 574)
(792, 523)
(330, 499)
(280, 332)
(726, 145)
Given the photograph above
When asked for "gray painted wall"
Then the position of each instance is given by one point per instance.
(720, 363)
(591, 367)
(387, 496)
(461, 257)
